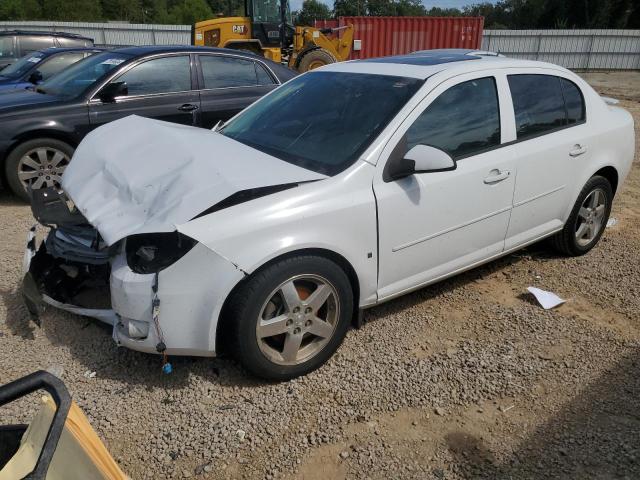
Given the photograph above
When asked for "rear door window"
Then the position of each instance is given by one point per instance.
(462, 121)
(36, 42)
(225, 72)
(263, 76)
(574, 101)
(538, 104)
(160, 75)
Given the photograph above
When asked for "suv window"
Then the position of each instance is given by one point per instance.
(7, 48)
(538, 104)
(74, 42)
(160, 75)
(59, 62)
(36, 42)
(224, 72)
(462, 121)
(573, 101)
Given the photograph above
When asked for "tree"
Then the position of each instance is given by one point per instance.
(126, 10)
(72, 10)
(312, 10)
(189, 11)
(20, 10)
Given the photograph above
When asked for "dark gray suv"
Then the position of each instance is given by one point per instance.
(15, 44)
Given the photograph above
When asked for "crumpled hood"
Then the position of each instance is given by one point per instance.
(137, 175)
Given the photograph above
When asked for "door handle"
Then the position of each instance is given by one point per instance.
(188, 107)
(496, 176)
(577, 150)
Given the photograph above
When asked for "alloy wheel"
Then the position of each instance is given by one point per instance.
(42, 167)
(298, 319)
(590, 219)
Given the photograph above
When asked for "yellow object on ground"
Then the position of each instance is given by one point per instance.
(80, 454)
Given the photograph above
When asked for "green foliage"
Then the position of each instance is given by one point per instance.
(511, 14)
(312, 10)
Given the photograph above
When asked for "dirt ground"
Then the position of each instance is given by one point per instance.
(469, 378)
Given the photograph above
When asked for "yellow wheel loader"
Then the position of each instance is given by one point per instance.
(268, 30)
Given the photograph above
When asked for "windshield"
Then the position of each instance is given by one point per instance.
(269, 11)
(22, 66)
(81, 75)
(322, 121)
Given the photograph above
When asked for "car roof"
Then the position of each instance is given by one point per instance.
(54, 50)
(425, 63)
(154, 49)
(49, 34)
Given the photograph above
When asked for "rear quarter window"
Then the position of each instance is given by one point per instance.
(574, 102)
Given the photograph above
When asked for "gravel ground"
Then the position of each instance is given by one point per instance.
(465, 379)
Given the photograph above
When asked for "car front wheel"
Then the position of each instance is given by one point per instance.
(290, 317)
(37, 163)
(588, 218)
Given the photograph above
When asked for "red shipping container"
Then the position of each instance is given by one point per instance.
(383, 36)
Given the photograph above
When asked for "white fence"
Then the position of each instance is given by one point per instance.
(576, 49)
(113, 34)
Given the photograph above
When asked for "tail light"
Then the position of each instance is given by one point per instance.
(152, 252)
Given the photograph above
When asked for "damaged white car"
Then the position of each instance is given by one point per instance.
(344, 188)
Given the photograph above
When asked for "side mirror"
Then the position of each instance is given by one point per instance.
(112, 90)
(420, 159)
(35, 77)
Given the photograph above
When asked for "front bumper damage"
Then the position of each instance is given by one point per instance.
(72, 270)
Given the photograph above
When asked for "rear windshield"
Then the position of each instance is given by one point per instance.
(73, 81)
(22, 66)
(323, 121)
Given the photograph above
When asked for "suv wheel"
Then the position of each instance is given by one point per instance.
(587, 220)
(290, 317)
(37, 164)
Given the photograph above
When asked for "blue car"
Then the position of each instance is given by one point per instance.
(38, 66)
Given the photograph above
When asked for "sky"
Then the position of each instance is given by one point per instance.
(297, 4)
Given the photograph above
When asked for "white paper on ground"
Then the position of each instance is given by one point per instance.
(611, 222)
(546, 299)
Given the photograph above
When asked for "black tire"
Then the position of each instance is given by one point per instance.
(565, 241)
(315, 59)
(245, 308)
(13, 161)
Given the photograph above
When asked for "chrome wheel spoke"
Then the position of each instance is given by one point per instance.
(290, 295)
(272, 327)
(584, 213)
(582, 230)
(318, 298)
(320, 328)
(42, 156)
(30, 162)
(600, 212)
(27, 175)
(291, 347)
(39, 183)
(57, 158)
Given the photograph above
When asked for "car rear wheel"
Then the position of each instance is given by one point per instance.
(37, 164)
(587, 220)
(289, 318)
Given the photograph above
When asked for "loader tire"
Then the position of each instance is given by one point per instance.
(315, 59)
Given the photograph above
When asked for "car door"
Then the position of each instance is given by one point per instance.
(158, 87)
(434, 224)
(552, 139)
(228, 85)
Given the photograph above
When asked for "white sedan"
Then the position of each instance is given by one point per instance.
(344, 188)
